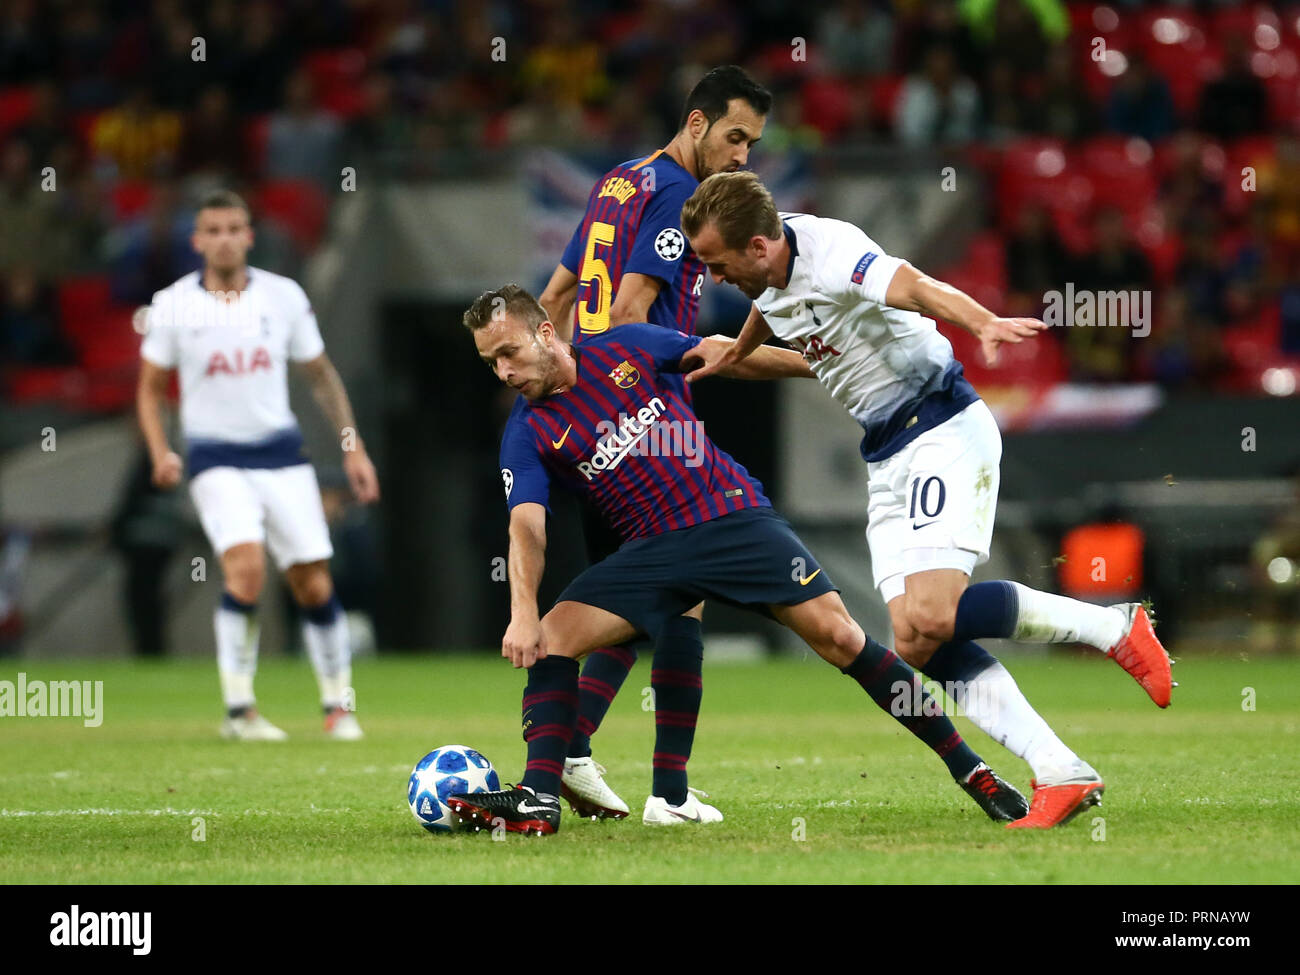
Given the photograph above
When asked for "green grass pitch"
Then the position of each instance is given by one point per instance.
(816, 784)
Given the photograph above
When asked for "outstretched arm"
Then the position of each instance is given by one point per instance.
(523, 645)
(911, 290)
(765, 362)
(717, 360)
(327, 388)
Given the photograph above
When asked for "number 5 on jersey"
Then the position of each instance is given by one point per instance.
(599, 286)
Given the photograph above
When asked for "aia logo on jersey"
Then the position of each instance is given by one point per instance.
(814, 349)
(625, 375)
(238, 365)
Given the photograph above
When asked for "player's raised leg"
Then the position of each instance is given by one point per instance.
(826, 626)
(550, 648)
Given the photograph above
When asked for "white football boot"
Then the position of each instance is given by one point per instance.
(659, 813)
(341, 725)
(251, 726)
(583, 785)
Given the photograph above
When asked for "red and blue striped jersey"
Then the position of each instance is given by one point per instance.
(633, 223)
(625, 438)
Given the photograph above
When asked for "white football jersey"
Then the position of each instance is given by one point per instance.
(880, 363)
(232, 357)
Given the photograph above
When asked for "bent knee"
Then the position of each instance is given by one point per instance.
(931, 621)
(245, 584)
(311, 585)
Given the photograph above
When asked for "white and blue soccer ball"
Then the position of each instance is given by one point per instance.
(445, 772)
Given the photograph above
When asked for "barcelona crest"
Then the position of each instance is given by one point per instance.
(625, 375)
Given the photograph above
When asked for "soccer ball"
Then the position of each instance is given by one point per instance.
(444, 772)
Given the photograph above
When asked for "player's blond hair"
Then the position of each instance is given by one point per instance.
(512, 300)
(737, 204)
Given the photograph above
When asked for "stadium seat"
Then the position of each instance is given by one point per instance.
(130, 198)
(15, 108)
(256, 131)
(1250, 347)
(336, 76)
(1120, 171)
(44, 384)
(83, 299)
(300, 207)
(885, 93)
(827, 105)
(1246, 20)
(986, 257)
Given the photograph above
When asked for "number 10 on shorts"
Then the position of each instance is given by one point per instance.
(928, 494)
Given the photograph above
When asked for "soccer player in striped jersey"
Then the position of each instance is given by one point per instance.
(932, 450)
(628, 262)
(608, 419)
(230, 331)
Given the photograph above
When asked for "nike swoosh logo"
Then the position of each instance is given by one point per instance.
(926, 525)
(804, 582)
(557, 444)
(690, 819)
(525, 807)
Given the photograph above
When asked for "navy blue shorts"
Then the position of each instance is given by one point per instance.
(750, 558)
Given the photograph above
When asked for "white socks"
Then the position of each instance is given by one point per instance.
(1048, 618)
(996, 706)
(331, 657)
(237, 634)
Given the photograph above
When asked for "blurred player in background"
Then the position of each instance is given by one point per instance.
(230, 331)
(932, 449)
(628, 262)
(694, 525)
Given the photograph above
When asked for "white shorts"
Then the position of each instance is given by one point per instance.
(279, 508)
(931, 505)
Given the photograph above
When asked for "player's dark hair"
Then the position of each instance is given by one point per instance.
(510, 300)
(738, 204)
(224, 200)
(717, 88)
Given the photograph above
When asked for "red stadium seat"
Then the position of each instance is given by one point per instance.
(1121, 173)
(82, 300)
(15, 108)
(827, 105)
(300, 207)
(44, 384)
(1038, 170)
(885, 95)
(1258, 23)
(130, 198)
(108, 341)
(336, 69)
(256, 130)
(337, 78)
(987, 259)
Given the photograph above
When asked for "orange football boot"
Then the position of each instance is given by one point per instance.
(1053, 805)
(1140, 653)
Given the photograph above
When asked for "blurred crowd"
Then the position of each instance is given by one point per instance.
(132, 108)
